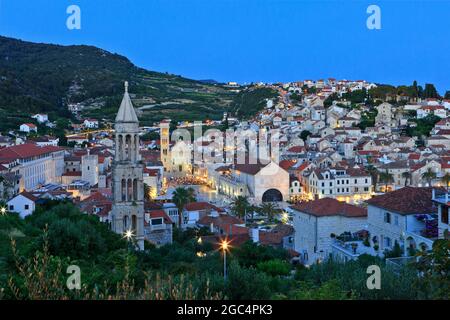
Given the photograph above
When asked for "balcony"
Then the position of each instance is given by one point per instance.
(350, 250)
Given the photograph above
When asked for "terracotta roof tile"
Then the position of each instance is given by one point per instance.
(407, 200)
(330, 207)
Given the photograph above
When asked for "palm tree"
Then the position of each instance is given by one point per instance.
(407, 176)
(386, 178)
(269, 209)
(148, 190)
(446, 180)
(240, 205)
(429, 176)
(374, 175)
(180, 197)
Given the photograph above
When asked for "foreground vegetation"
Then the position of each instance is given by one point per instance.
(37, 251)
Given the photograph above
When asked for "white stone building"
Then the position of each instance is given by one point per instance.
(404, 216)
(28, 127)
(317, 222)
(352, 185)
(36, 165)
(90, 169)
(23, 203)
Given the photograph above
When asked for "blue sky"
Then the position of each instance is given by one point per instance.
(253, 40)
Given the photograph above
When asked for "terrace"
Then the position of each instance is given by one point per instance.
(348, 246)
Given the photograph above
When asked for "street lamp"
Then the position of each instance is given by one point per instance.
(224, 245)
(3, 211)
(129, 236)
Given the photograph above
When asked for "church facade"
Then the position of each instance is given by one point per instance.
(127, 175)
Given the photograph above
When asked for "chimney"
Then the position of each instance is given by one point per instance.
(255, 235)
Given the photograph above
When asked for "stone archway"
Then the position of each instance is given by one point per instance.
(272, 195)
(411, 245)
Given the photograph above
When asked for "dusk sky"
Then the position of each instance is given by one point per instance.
(253, 40)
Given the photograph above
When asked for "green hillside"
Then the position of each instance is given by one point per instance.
(36, 77)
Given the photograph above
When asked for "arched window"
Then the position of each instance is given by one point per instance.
(119, 148)
(124, 190)
(130, 190)
(125, 223)
(133, 222)
(127, 147)
(135, 189)
(136, 144)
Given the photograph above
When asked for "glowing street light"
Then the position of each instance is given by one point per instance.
(2, 211)
(224, 245)
(128, 234)
(201, 254)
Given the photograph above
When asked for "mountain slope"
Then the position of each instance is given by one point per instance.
(37, 77)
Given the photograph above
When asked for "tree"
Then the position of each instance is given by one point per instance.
(240, 205)
(430, 91)
(429, 176)
(386, 178)
(446, 180)
(355, 96)
(415, 89)
(407, 176)
(329, 100)
(268, 209)
(374, 174)
(243, 283)
(148, 192)
(304, 135)
(275, 267)
(180, 197)
(447, 94)
(434, 268)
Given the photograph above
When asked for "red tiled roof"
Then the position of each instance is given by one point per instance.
(414, 156)
(276, 235)
(296, 149)
(27, 150)
(72, 174)
(287, 164)
(195, 206)
(28, 196)
(330, 207)
(303, 166)
(160, 214)
(407, 200)
(151, 172)
(251, 169)
(222, 219)
(97, 197)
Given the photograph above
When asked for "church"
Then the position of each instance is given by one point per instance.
(127, 175)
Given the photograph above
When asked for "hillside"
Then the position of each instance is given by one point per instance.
(36, 77)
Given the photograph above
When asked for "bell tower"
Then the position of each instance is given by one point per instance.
(165, 144)
(127, 174)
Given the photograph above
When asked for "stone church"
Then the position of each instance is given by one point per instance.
(127, 174)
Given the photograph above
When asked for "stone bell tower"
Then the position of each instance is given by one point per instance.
(127, 174)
